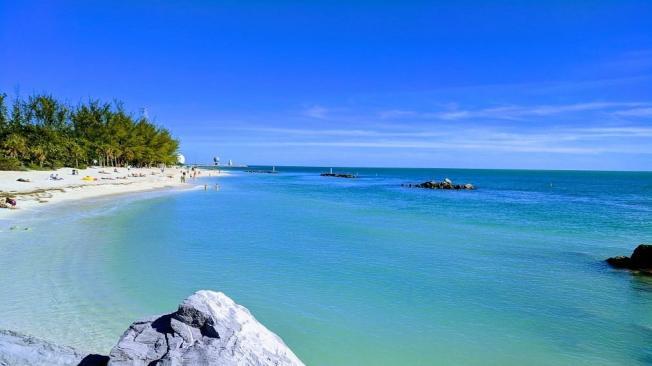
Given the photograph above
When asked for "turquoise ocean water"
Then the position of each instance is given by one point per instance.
(355, 272)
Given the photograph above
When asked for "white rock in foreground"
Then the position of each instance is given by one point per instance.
(208, 329)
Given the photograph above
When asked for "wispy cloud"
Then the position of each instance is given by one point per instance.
(316, 111)
(517, 112)
(588, 128)
(447, 146)
(635, 112)
(396, 113)
(316, 132)
(636, 61)
(453, 147)
(454, 138)
(623, 131)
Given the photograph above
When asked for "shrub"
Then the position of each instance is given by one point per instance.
(9, 163)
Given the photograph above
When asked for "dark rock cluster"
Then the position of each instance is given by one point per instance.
(640, 260)
(445, 184)
(262, 171)
(338, 175)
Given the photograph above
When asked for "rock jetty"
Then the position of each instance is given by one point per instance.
(445, 184)
(640, 260)
(207, 329)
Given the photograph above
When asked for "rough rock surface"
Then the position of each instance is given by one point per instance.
(19, 349)
(207, 329)
(641, 259)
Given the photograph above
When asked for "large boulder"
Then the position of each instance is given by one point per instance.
(19, 349)
(207, 329)
(641, 259)
(642, 256)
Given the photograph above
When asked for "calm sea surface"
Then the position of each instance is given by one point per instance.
(355, 271)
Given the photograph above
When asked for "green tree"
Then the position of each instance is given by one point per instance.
(15, 146)
(4, 118)
(38, 153)
(42, 130)
(76, 152)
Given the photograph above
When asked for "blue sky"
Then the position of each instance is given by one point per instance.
(503, 84)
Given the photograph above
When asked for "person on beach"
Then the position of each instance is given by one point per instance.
(183, 177)
(10, 201)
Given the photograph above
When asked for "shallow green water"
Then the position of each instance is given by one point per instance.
(355, 272)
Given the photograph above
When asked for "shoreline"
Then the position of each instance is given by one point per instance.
(41, 190)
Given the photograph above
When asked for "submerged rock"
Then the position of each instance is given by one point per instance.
(641, 259)
(207, 329)
(620, 261)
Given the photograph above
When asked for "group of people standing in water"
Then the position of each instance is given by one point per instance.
(190, 173)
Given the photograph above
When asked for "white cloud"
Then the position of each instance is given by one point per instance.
(396, 113)
(316, 111)
(519, 147)
(635, 112)
(456, 138)
(518, 112)
(317, 132)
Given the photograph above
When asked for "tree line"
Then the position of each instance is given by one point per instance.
(42, 132)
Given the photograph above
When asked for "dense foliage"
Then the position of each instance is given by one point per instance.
(41, 132)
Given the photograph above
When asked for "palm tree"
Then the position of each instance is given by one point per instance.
(15, 146)
(76, 152)
(39, 154)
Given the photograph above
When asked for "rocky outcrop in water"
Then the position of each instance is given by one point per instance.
(262, 171)
(641, 260)
(208, 329)
(339, 175)
(445, 184)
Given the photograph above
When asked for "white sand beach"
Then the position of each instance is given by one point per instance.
(40, 188)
